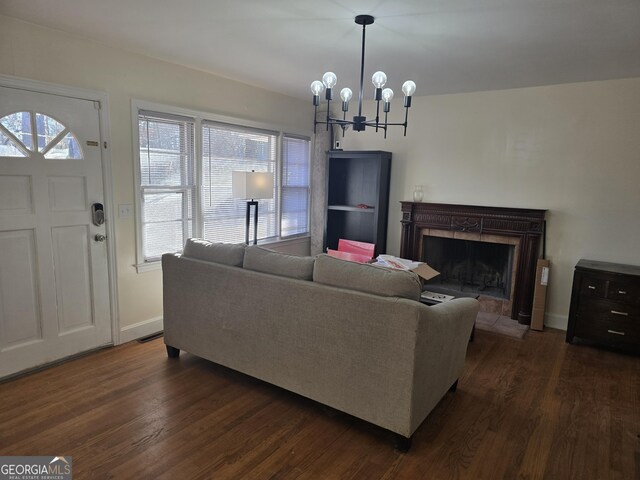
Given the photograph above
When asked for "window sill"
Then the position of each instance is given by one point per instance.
(157, 265)
(148, 266)
(285, 241)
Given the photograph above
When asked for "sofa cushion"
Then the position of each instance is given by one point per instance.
(367, 278)
(276, 263)
(225, 253)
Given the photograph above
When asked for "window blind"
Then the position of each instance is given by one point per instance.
(227, 148)
(295, 186)
(166, 182)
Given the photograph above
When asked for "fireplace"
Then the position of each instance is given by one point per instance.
(491, 251)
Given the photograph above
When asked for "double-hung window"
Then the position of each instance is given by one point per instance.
(184, 170)
(295, 186)
(227, 148)
(167, 187)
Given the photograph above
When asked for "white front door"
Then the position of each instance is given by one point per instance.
(54, 289)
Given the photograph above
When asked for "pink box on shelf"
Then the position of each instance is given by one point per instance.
(352, 257)
(359, 248)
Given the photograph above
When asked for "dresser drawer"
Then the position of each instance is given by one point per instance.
(593, 286)
(628, 292)
(595, 309)
(610, 332)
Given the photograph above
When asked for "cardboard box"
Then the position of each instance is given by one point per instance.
(540, 295)
(423, 270)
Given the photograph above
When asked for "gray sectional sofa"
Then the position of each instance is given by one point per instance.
(351, 336)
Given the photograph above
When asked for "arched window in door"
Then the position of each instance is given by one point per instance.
(24, 133)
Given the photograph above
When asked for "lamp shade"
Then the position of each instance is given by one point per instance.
(252, 185)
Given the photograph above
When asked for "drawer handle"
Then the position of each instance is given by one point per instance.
(591, 287)
(622, 292)
(624, 314)
(616, 333)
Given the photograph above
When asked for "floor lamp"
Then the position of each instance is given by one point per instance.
(251, 186)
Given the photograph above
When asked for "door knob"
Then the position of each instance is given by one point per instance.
(99, 237)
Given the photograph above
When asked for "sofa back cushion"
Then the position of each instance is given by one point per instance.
(225, 253)
(367, 278)
(276, 263)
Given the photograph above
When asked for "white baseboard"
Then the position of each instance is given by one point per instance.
(553, 320)
(141, 329)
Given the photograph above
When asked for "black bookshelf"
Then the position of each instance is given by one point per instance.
(356, 179)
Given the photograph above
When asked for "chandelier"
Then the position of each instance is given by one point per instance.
(379, 79)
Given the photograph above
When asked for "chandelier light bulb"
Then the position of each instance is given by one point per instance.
(346, 94)
(317, 87)
(409, 88)
(379, 79)
(329, 79)
(387, 95)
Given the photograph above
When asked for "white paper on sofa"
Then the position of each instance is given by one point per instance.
(420, 268)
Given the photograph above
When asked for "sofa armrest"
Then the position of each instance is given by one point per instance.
(441, 346)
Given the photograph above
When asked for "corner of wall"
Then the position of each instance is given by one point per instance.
(319, 188)
(553, 320)
(140, 329)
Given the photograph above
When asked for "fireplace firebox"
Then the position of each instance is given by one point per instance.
(490, 249)
(470, 266)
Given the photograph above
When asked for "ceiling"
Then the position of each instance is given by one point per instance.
(445, 46)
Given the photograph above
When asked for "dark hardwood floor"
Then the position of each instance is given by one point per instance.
(537, 408)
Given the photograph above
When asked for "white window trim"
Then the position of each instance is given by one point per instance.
(199, 117)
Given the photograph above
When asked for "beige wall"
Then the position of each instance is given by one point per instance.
(572, 149)
(47, 55)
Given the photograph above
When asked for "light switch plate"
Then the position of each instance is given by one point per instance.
(125, 210)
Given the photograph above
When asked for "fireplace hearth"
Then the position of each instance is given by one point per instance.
(489, 250)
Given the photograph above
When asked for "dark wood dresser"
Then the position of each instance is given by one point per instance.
(605, 304)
